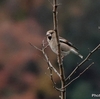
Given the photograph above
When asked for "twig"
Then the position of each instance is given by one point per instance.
(59, 89)
(51, 67)
(55, 21)
(85, 60)
(61, 69)
(35, 47)
(50, 2)
(79, 75)
(49, 63)
(46, 58)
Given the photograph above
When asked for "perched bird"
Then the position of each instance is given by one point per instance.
(66, 47)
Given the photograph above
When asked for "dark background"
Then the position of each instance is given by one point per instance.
(23, 72)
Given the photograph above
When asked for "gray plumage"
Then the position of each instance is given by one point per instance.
(66, 47)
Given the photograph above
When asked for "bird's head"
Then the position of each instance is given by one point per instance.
(49, 34)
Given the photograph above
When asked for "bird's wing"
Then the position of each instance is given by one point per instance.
(62, 40)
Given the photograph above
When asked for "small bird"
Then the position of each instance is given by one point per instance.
(65, 45)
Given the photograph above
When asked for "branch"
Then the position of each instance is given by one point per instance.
(61, 69)
(49, 63)
(79, 75)
(50, 66)
(55, 21)
(46, 58)
(85, 60)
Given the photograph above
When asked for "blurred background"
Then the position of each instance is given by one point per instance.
(23, 71)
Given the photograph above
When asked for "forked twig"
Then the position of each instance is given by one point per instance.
(50, 66)
(85, 60)
(46, 58)
(79, 75)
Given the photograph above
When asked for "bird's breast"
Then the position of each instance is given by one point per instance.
(53, 46)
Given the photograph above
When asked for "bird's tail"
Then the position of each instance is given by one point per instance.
(77, 53)
(80, 56)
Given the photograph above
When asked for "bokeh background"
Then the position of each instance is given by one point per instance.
(23, 71)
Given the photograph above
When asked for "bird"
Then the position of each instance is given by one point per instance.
(66, 46)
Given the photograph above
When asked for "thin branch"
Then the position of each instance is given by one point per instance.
(50, 2)
(51, 68)
(61, 69)
(35, 47)
(85, 60)
(46, 58)
(79, 75)
(51, 77)
(49, 63)
(55, 22)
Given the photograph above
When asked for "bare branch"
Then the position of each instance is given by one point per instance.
(59, 89)
(79, 75)
(35, 47)
(55, 22)
(50, 66)
(50, 2)
(49, 63)
(85, 60)
(46, 58)
(61, 69)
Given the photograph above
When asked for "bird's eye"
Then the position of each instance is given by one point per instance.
(51, 32)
